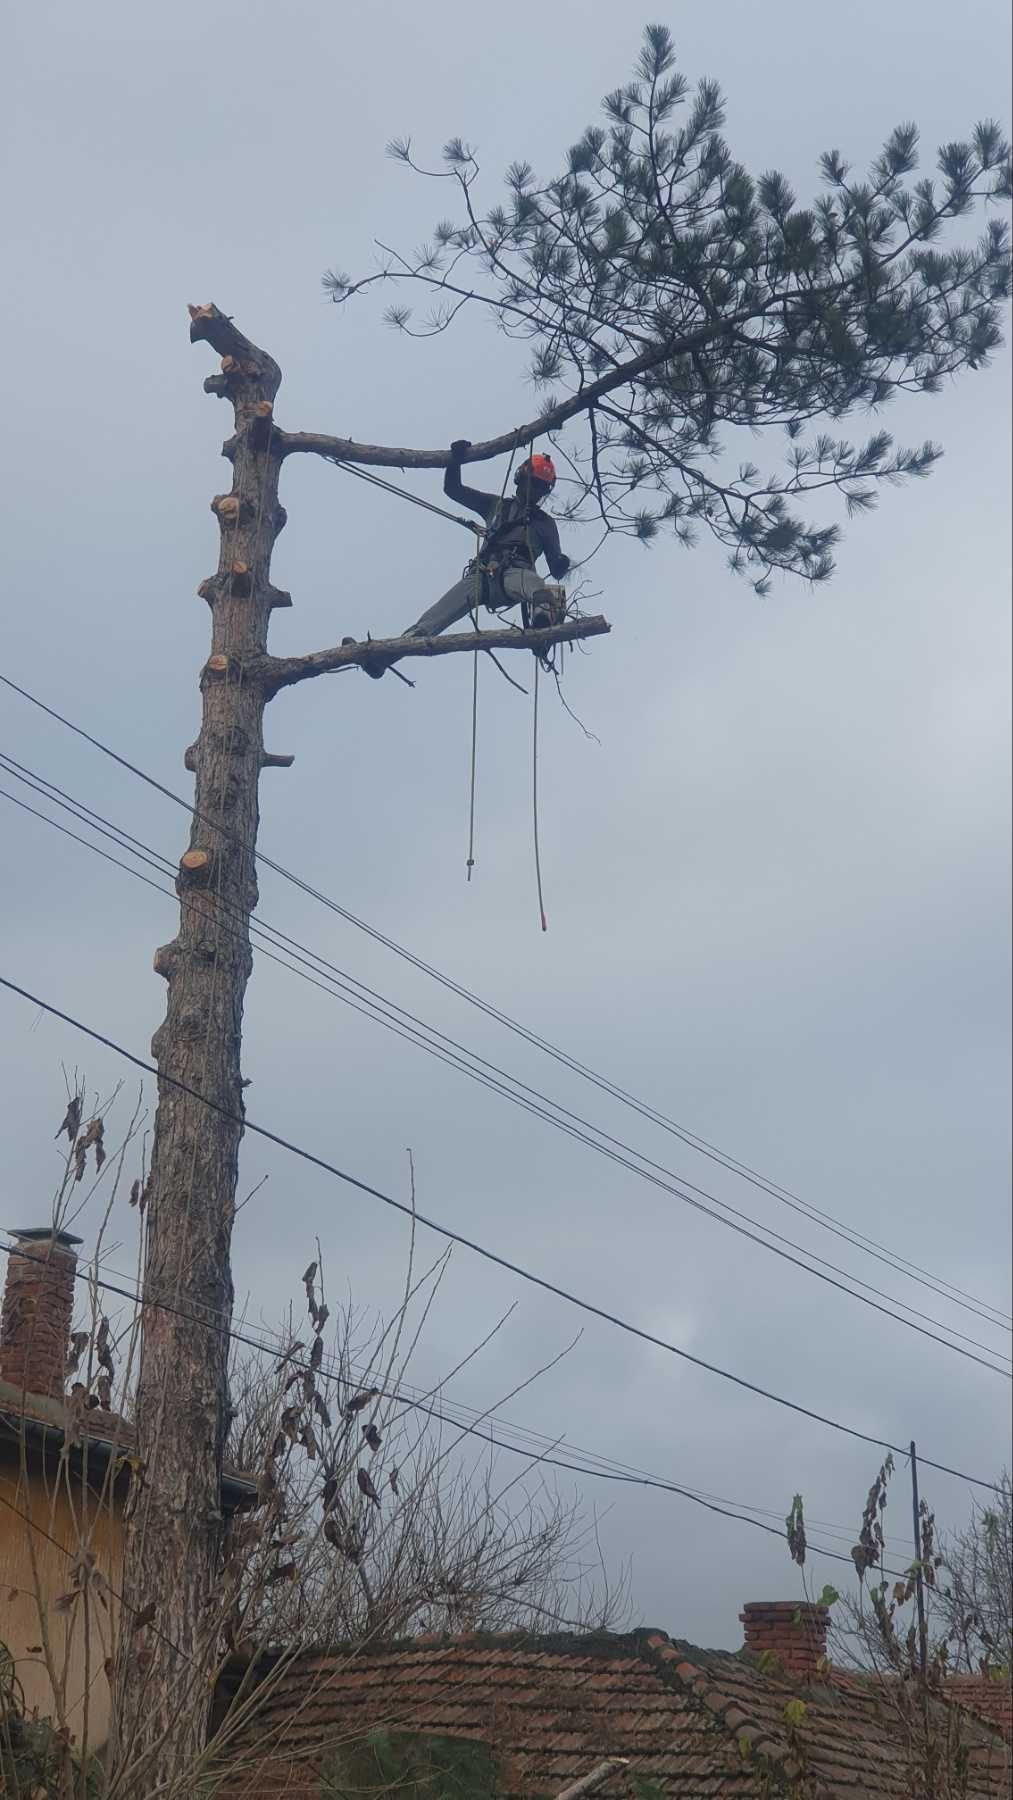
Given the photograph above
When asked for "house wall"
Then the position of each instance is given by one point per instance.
(35, 1572)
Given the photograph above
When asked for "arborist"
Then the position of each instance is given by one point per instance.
(519, 533)
(503, 574)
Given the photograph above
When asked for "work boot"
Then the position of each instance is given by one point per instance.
(547, 608)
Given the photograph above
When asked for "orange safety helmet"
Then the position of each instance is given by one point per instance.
(539, 468)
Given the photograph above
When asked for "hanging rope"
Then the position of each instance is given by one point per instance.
(474, 677)
(474, 726)
(391, 487)
(441, 512)
(534, 804)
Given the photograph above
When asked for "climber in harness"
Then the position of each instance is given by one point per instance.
(503, 575)
(519, 533)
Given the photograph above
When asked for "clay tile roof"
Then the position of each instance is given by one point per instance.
(988, 1696)
(699, 1724)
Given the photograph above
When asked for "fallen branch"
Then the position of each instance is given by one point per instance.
(277, 672)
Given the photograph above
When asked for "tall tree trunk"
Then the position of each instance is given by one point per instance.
(165, 1658)
(175, 1529)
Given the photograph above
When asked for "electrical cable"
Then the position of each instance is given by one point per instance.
(893, 1259)
(477, 1249)
(616, 1471)
(462, 1059)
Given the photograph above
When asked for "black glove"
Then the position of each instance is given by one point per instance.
(459, 448)
(561, 567)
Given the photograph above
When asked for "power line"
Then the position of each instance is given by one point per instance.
(478, 1249)
(419, 1033)
(273, 1343)
(615, 1471)
(901, 1265)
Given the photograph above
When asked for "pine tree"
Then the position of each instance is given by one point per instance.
(677, 306)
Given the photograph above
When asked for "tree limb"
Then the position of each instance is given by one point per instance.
(211, 326)
(277, 672)
(338, 449)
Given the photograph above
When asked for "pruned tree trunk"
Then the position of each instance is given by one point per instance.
(166, 1656)
(175, 1529)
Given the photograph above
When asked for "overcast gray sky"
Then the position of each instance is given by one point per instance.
(777, 890)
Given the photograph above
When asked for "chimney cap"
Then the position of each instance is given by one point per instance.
(41, 1234)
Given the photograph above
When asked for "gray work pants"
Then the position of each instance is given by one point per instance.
(506, 589)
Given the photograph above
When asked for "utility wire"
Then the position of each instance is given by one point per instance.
(461, 1058)
(893, 1259)
(477, 1249)
(615, 1471)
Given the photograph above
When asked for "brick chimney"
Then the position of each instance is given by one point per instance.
(794, 1632)
(38, 1305)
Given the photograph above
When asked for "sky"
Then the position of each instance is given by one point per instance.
(777, 887)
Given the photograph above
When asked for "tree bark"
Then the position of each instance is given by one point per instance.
(174, 1533)
(277, 672)
(164, 1667)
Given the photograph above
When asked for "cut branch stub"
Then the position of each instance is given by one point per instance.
(269, 760)
(278, 597)
(164, 960)
(228, 508)
(195, 867)
(239, 578)
(217, 329)
(260, 424)
(220, 668)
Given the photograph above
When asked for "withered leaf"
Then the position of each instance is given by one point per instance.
(72, 1119)
(360, 1400)
(102, 1350)
(366, 1487)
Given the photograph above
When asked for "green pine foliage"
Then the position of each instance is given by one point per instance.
(684, 303)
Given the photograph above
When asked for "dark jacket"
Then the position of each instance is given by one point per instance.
(520, 531)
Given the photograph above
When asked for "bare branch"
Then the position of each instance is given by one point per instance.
(277, 672)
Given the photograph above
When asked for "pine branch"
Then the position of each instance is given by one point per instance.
(277, 672)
